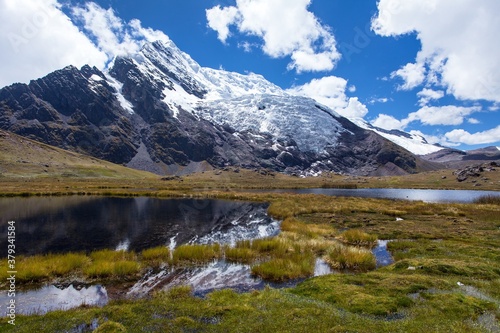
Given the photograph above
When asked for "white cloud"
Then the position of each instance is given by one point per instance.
(494, 107)
(331, 91)
(286, 28)
(463, 137)
(441, 115)
(388, 122)
(354, 109)
(458, 43)
(352, 88)
(112, 35)
(219, 19)
(378, 100)
(328, 90)
(413, 75)
(427, 95)
(473, 121)
(428, 115)
(246, 46)
(38, 38)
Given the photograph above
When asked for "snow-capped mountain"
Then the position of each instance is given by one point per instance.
(160, 111)
(232, 98)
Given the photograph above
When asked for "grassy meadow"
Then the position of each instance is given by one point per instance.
(445, 276)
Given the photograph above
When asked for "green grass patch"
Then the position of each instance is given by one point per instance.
(310, 230)
(108, 269)
(111, 255)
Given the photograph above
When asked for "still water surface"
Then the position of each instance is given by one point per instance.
(81, 223)
(436, 196)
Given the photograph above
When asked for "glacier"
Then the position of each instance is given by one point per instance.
(250, 102)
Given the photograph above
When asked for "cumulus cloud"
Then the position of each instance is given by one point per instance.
(331, 91)
(286, 28)
(328, 90)
(458, 49)
(428, 115)
(354, 109)
(219, 19)
(375, 100)
(112, 35)
(413, 75)
(461, 136)
(38, 38)
(388, 122)
(441, 115)
(426, 95)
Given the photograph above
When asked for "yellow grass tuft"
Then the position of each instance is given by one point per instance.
(350, 258)
(358, 238)
(196, 253)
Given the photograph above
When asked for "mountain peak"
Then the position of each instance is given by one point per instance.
(159, 110)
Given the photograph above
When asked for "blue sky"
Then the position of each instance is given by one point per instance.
(423, 66)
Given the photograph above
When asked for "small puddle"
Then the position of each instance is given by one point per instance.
(50, 298)
(322, 268)
(382, 255)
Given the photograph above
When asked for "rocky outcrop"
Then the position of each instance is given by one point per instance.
(475, 172)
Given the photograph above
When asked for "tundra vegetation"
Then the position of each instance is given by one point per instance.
(445, 276)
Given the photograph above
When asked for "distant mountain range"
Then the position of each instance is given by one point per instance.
(159, 111)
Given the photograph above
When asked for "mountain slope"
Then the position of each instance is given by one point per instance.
(25, 157)
(454, 159)
(159, 111)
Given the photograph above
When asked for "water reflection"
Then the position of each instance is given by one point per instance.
(444, 196)
(62, 224)
(382, 255)
(51, 298)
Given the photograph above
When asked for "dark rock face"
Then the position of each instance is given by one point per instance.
(63, 110)
(81, 110)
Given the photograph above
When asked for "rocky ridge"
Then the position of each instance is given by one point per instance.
(159, 111)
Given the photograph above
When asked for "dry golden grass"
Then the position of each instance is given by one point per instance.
(350, 258)
(358, 237)
(196, 254)
(156, 257)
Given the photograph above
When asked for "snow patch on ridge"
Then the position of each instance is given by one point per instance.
(177, 98)
(125, 104)
(415, 144)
